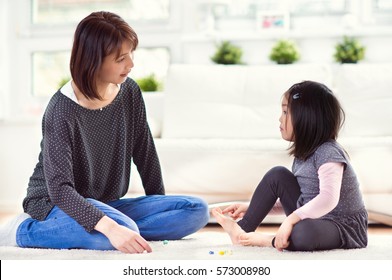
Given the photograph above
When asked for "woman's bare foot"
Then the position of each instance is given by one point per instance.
(256, 239)
(228, 224)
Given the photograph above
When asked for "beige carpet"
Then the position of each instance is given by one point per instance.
(207, 246)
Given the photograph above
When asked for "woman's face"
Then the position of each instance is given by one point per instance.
(115, 69)
(286, 127)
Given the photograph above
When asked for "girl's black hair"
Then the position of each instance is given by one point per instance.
(316, 116)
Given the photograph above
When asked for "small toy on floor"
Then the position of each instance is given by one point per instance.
(222, 253)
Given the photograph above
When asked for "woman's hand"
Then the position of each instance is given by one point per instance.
(121, 237)
(284, 232)
(236, 211)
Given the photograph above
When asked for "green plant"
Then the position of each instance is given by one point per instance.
(63, 81)
(284, 52)
(349, 51)
(149, 83)
(227, 53)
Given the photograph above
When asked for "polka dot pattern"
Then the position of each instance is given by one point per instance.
(87, 154)
(350, 214)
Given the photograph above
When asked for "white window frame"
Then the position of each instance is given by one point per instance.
(25, 38)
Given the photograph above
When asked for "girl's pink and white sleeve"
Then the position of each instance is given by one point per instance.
(330, 178)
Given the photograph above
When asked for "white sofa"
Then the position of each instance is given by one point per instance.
(216, 128)
(365, 91)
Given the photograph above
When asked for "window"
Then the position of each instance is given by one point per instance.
(382, 11)
(39, 34)
(382, 5)
(244, 16)
(151, 61)
(321, 7)
(72, 11)
(50, 69)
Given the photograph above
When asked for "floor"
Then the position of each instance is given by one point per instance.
(373, 228)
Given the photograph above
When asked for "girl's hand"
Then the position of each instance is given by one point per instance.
(236, 211)
(122, 238)
(284, 232)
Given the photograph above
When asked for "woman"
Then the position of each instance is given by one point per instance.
(93, 128)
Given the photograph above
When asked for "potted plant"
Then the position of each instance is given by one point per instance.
(227, 53)
(63, 81)
(149, 83)
(284, 52)
(349, 51)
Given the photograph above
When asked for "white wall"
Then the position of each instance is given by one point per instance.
(19, 144)
(3, 56)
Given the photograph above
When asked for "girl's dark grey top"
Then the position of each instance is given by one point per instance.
(87, 154)
(349, 215)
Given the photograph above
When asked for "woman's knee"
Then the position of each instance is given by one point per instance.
(205, 213)
(196, 209)
(200, 209)
(115, 215)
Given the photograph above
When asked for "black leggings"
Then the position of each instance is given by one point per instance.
(307, 234)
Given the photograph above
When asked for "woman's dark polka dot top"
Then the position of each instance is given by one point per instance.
(87, 154)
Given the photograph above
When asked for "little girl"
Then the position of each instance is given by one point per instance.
(320, 197)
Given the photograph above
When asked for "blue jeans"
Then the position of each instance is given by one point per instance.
(155, 217)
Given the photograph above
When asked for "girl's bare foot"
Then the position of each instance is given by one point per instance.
(228, 224)
(256, 239)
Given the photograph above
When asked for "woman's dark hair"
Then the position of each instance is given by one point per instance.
(316, 116)
(97, 36)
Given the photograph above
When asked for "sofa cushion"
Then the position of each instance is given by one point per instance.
(371, 158)
(379, 207)
(219, 170)
(365, 93)
(154, 110)
(230, 101)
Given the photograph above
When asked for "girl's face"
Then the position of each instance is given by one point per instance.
(115, 69)
(286, 127)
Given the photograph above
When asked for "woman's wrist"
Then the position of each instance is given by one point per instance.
(105, 225)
